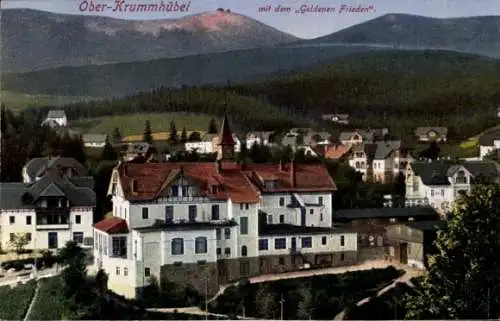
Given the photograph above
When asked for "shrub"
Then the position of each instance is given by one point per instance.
(15, 301)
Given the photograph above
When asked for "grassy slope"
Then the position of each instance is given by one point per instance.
(18, 101)
(15, 301)
(134, 124)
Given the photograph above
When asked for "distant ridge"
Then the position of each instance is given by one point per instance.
(34, 39)
(478, 35)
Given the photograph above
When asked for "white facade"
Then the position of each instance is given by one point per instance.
(94, 144)
(485, 150)
(225, 241)
(203, 147)
(23, 221)
(56, 121)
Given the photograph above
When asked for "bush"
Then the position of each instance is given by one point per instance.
(15, 301)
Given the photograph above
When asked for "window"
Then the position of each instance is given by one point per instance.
(145, 213)
(78, 219)
(193, 212)
(117, 270)
(247, 206)
(227, 251)
(227, 233)
(28, 237)
(320, 200)
(200, 245)
(241, 206)
(219, 251)
(342, 240)
(357, 165)
(177, 246)
(269, 219)
(244, 250)
(119, 246)
(342, 256)
(432, 192)
(125, 271)
(307, 242)
(174, 190)
(323, 240)
(321, 217)
(215, 212)
(218, 232)
(12, 219)
(281, 260)
(169, 213)
(28, 220)
(243, 225)
(442, 192)
(461, 178)
(311, 211)
(185, 191)
(147, 272)
(280, 244)
(78, 237)
(263, 245)
(282, 201)
(282, 219)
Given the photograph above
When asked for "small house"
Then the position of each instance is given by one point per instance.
(56, 118)
(94, 140)
(429, 134)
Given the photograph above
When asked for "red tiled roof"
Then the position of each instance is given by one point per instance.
(240, 183)
(112, 225)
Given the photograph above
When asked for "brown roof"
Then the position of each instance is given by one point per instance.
(240, 183)
(113, 225)
(336, 151)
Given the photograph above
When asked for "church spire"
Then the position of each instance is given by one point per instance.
(226, 141)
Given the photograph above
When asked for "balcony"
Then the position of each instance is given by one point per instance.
(46, 227)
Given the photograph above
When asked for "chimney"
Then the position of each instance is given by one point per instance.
(292, 174)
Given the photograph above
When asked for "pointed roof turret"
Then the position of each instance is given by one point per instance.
(226, 135)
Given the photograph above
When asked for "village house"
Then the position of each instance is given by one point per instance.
(381, 161)
(429, 134)
(94, 140)
(205, 224)
(55, 118)
(413, 242)
(337, 118)
(337, 152)
(359, 136)
(370, 224)
(439, 184)
(137, 149)
(259, 138)
(204, 146)
(53, 205)
(488, 142)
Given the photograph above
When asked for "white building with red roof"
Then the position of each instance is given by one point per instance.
(205, 224)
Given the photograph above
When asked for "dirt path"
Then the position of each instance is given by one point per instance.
(32, 303)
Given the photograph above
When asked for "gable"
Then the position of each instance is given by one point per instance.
(52, 190)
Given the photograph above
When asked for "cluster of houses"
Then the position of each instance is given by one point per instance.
(205, 224)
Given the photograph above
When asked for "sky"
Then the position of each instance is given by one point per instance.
(308, 25)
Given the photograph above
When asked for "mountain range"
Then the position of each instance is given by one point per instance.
(33, 39)
(477, 35)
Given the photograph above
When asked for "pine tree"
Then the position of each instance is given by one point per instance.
(147, 136)
(184, 136)
(117, 135)
(173, 138)
(108, 153)
(463, 279)
(212, 127)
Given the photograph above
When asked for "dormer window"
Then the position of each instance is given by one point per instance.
(461, 178)
(174, 190)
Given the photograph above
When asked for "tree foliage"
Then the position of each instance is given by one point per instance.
(19, 241)
(212, 127)
(173, 137)
(463, 279)
(147, 136)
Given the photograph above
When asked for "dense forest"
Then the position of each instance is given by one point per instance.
(399, 90)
